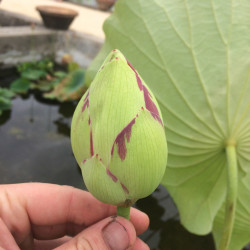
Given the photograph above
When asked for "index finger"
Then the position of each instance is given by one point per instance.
(54, 210)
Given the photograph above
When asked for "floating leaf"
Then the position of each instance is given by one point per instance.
(60, 74)
(70, 88)
(50, 82)
(33, 74)
(72, 66)
(43, 65)
(195, 58)
(43, 85)
(5, 99)
(20, 85)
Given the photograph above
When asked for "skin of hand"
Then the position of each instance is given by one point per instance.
(48, 216)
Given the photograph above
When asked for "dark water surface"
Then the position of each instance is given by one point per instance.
(35, 147)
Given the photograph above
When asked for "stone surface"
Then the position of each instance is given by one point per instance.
(34, 42)
(89, 21)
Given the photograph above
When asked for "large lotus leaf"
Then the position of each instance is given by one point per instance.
(195, 56)
(240, 236)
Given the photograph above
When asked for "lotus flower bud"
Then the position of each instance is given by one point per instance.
(117, 135)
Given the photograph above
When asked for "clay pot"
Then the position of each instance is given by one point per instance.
(56, 17)
(105, 4)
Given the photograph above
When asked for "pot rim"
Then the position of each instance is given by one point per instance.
(54, 10)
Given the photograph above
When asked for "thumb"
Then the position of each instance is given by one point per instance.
(115, 233)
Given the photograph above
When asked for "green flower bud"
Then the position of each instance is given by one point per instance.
(117, 135)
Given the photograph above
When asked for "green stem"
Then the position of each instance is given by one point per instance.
(124, 212)
(231, 199)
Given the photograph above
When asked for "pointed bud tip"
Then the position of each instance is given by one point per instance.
(115, 55)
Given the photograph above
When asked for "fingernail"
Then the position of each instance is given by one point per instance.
(116, 236)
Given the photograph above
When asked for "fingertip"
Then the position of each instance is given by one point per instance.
(128, 228)
(140, 220)
(119, 232)
(110, 233)
(140, 245)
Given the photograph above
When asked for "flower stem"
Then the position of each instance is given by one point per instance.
(231, 199)
(124, 212)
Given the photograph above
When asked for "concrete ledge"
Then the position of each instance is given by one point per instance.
(82, 47)
(15, 19)
(89, 21)
(34, 42)
(21, 44)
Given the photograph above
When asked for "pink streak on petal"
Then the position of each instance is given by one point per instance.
(150, 106)
(138, 79)
(86, 102)
(87, 96)
(114, 178)
(124, 188)
(112, 150)
(120, 140)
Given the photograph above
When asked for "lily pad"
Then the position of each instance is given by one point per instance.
(33, 74)
(195, 58)
(20, 85)
(70, 88)
(5, 99)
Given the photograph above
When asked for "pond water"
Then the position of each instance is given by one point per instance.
(35, 147)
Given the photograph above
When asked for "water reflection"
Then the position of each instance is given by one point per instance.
(174, 237)
(35, 146)
(165, 231)
(4, 118)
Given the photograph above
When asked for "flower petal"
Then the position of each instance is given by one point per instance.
(103, 184)
(146, 156)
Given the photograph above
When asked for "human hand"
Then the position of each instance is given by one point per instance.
(38, 216)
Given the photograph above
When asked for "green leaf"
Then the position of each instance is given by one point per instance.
(49, 83)
(72, 66)
(6, 93)
(44, 65)
(5, 104)
(71, 87)
(5, 99)
(20, 85)
(60, 74)
(195, 58)
(240, 236)
(43, 85)
(33, 74)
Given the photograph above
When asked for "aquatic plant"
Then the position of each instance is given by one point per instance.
(118, 137)
(195, 58)
(5, 99)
